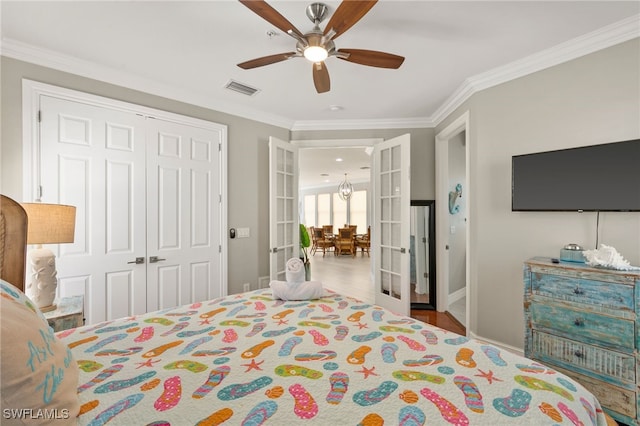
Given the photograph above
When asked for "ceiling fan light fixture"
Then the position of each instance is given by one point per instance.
(315, 53)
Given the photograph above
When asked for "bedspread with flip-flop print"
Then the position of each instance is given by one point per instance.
(249, 359)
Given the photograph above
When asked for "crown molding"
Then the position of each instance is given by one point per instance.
(380, 123)
(605, 37)
(50, 59)
(602, 38)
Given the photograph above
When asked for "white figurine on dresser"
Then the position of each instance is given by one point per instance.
(583, 321)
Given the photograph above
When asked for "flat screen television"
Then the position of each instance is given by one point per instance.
(602, 177)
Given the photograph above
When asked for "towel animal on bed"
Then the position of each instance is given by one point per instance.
(296, 288)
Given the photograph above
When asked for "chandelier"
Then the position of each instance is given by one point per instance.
(345, 189)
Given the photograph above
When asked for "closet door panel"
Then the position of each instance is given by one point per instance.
(93, 157)
(182, 200)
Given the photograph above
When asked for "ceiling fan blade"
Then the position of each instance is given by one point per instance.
(266, 60)
(269, 14)
(371, 58)
(321, 77)
(347, 14)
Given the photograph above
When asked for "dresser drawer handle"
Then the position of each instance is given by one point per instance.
(578, 354)
(578, 291)
(578, 322)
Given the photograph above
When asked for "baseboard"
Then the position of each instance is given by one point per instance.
(263, 282)
(501, 345)
(457, 295)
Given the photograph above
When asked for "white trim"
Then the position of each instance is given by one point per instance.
(376, 123)
(457, 295)
(58, 61)
(31, 93)
(336, 143)
(459, 125)
(507, 348)
(602, 38)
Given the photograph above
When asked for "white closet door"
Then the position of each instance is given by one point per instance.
(183, 214)
(94, 158)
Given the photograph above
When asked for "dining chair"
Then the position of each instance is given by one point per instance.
(363, 242)
(344, 242)
(320, 242)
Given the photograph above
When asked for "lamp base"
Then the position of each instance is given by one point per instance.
(42, 278)
(49, 308)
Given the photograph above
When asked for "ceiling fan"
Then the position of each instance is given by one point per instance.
(317, 45)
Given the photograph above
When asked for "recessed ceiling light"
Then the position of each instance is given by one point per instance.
(339, 159)
(336, 107)
(324, 174)
(365, 168)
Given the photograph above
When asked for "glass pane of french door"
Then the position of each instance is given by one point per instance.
(391, 231)
(283, 206)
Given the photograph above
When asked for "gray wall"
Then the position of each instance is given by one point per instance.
(590, 100)
(248, 169)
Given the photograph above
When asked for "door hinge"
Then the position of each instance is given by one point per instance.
(39, 116)
(39, 191)
(219, 146)
(219, 249)
(426, 275)
(219, 198)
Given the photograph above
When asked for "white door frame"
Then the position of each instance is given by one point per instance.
(31, 93)
(461, 124)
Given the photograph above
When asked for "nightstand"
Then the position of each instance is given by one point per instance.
(68, 314)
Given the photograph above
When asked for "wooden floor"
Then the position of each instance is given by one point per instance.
(351, 276)
(439, 319)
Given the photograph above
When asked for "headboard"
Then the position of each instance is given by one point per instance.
(13, 242)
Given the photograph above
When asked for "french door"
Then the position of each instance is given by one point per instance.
(148, 195)
(284, 235)
(391, 233)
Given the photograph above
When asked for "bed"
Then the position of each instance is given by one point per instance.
(251, 359)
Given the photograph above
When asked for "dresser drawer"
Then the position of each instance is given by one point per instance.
(583, 325)
(617, 298)
(607, 365)
(618, 400)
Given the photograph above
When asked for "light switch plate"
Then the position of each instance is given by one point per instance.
(242, 233)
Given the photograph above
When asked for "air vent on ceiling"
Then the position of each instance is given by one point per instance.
(241, 88)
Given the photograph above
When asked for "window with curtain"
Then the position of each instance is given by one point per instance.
(309, 218)
(324, 209)
(339, 212)
(358, 211)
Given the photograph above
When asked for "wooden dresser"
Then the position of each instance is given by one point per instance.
(584, 322)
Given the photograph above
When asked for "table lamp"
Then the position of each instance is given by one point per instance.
(47, 224)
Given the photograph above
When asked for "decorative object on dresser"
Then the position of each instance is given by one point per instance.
(69, 313)
(583, 321)
(572, 253)
(48, 224)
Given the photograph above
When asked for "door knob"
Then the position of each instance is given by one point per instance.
(138, 261)
(155, 259)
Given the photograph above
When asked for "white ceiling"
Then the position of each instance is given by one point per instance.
(188, 51)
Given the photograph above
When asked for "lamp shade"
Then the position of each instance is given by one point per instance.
(50, 223)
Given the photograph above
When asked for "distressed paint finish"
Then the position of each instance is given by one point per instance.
(69, 314)
(583, 320)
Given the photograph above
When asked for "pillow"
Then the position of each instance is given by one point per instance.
(38, 375)
(306, 290)
(8, 290)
